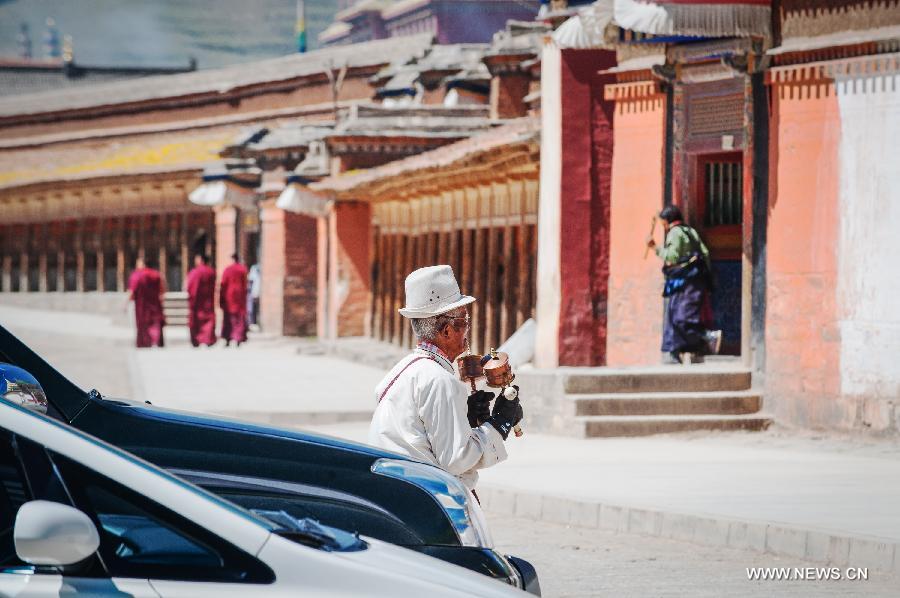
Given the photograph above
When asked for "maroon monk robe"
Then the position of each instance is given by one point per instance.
(201, 288)
(146, 288)
(233, 301)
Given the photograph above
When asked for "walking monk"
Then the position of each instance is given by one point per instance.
(201, 288)
(146, 288)
(233, 301)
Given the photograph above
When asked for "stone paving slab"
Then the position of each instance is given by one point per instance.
(787, 493)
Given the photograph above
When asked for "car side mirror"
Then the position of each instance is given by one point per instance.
(53, 534)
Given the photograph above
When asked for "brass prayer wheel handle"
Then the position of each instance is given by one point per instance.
(470, 369)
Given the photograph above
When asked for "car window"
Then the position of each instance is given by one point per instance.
(25, 474)
(13, 494)
(140, 538)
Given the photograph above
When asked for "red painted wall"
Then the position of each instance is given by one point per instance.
(353, 277)
(802, 334)
(635, 282)
(301, 274)
(584, 207)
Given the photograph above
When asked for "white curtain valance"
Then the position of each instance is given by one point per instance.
(300, 200)
(214, 193)
(587, 29)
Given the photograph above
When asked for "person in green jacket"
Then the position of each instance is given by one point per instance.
(687, 269)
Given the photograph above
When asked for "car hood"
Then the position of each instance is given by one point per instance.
(406, 572)
(150, 411)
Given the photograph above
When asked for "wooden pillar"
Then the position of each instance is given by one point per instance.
(7, 274)
(378, 282)
(162, 237)
(452, 229)
(23, 271)
(400, 252)
(61, 257)
(42, 260)
(479, 277)
(102, 224)
(507, 309)
(412, 240)
(184, 250)
(210, 247)
(120, 255)
(491, 312)
(79, 255)
(466, 275)
(523, 311)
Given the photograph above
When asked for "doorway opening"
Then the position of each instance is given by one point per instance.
(719, 206)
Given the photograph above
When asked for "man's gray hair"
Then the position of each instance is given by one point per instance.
(427, 329)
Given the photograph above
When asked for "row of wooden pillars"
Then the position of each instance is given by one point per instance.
(99, 254)
(495, 264)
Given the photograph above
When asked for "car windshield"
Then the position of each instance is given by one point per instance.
(312, 533)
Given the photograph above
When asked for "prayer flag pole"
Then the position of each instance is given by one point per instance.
(300, 27)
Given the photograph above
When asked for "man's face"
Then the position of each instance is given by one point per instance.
(454, 335)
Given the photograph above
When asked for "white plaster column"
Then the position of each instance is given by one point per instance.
(547, 308)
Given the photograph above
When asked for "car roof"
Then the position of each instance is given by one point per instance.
(232, 522)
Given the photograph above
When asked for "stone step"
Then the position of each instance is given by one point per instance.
(675, 403)
(594, 426)
(654, 380)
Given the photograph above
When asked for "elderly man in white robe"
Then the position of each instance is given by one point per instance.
(423, 409)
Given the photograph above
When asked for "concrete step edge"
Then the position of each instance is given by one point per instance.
(657, 382)
(645, 405)
(840, 549)
(641, 396)
(673, 418)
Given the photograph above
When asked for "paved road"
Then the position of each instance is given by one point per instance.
(581, 563)
(571, 561)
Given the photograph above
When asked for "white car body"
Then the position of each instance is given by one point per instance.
(299, 570)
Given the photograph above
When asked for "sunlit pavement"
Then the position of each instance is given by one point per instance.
(836, 487)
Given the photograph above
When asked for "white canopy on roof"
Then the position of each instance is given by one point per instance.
(298, 199)
(587, 29)
(214, 193)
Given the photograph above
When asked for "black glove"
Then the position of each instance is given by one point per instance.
(505, 415)
(479, 407)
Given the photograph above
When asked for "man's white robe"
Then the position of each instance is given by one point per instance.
(423, 415)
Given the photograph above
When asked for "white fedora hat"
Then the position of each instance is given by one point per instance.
(432, 291)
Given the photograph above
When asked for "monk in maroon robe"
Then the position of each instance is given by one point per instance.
(146, 288)
(233, 301)
(201, 288)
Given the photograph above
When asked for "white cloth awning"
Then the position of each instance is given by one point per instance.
(587, 29)
(300, 200)
(214, 193)
(701, 19)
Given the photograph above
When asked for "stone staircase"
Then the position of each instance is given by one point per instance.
(175, 308)
(606, 402)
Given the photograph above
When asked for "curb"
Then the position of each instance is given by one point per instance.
(297, 418)
(757, 536)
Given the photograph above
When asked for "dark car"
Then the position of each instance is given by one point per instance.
(341, 484)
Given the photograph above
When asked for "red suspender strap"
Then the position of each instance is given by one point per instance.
(398, 375)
